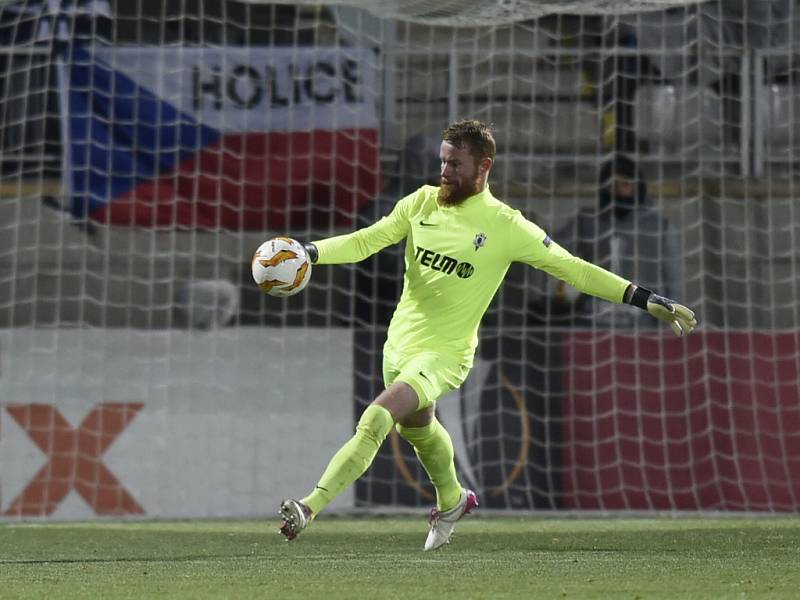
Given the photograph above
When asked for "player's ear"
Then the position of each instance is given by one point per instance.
(485, 164)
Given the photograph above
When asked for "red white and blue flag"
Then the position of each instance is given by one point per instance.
(236, 138)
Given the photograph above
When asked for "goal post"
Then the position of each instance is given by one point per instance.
(146, 151)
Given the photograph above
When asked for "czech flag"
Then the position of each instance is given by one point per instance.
(207, 138)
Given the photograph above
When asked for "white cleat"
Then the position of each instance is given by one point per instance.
(296, 517)
(443, 523)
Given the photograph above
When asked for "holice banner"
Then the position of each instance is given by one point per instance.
(240, 138)
(172, 424)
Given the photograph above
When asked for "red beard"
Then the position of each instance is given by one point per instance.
(451, 195)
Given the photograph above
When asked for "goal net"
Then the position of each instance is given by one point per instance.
(147, 149)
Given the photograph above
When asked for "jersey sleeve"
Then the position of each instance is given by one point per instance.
(358, 245)
(528, 243)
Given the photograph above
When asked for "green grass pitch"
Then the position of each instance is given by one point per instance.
(379, 557)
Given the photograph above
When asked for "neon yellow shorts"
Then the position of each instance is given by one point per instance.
(430, 374)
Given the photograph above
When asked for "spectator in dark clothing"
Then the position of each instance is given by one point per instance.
(626, 234)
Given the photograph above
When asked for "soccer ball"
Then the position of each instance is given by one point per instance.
(281, 267)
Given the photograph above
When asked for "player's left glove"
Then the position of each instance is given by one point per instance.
(678, 316)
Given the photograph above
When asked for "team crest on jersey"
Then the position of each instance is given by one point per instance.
(479, 241)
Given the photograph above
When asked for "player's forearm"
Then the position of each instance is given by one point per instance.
(348, 248)
(358, 245)
(585, 276)
(599, 282)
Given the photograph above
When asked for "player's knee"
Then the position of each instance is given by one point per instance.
(420, 419)
(400, 400)
(376, 422)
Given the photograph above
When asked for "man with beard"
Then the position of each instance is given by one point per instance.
(623, 233)
(460, 241)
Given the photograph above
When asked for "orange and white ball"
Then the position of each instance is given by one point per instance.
(281, 267)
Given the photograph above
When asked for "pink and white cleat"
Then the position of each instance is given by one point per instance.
(296, 517)
(443, 523)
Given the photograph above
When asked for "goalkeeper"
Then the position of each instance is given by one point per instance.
(460, 241)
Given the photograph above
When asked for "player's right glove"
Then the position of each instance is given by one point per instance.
(311, 250)
(678, 316)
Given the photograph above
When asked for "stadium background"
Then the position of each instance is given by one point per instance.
(141, 372)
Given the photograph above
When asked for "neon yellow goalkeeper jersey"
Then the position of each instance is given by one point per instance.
(455, 259)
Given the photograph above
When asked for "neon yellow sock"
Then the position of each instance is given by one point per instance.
(353, 459)
(434, 448)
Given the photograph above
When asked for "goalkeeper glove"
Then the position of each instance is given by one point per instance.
(679, 317)
(311, 250)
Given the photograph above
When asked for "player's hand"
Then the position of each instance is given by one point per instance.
(679, 317)
(311, 250)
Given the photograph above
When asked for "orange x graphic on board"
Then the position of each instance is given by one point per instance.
(74, 459)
